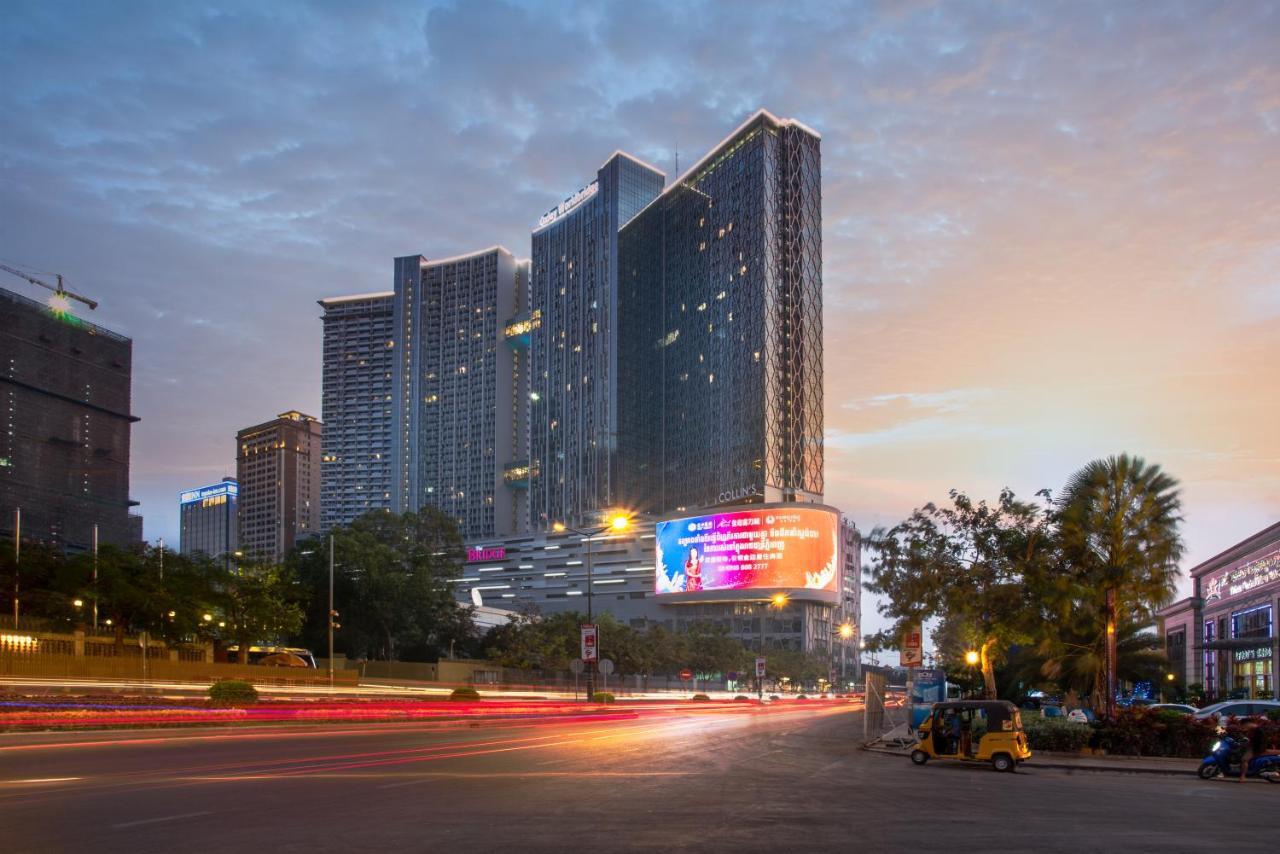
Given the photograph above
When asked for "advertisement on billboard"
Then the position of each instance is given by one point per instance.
(767, 547)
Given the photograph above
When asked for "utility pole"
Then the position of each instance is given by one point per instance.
(331, 611)
(17, 560)
(95, 578)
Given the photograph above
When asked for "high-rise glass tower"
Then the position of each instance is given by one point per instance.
(356, 474)
(574, 371)
(720, 350)
(456, 421)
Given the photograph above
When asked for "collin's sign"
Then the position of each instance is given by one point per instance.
(760, 667)
(590, 650)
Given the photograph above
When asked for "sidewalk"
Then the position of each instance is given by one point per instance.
(1076, 762)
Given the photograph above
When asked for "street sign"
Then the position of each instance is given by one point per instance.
(606, 666)
(911, 652)
(760, 667)
(576, 666)
(686, 675)
(590, 651)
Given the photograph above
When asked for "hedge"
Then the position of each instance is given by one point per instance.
(602, 697)
(232, 693)
(466, 695)
(1057, 734)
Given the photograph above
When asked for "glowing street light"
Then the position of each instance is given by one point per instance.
(79, 603)
(972, 658)
(779, 599)
(208, 618)
(846, 631)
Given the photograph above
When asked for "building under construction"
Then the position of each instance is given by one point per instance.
(65, 388)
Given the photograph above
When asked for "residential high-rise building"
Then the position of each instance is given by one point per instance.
(721, 349)
(209, 519)
(65, 403)
(356, 473)
(457, 422)
(574, 370)
(278, 469)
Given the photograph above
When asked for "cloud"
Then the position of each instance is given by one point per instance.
(1054, 226)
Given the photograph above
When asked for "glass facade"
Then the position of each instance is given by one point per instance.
(359, 357)
(721, 352)
(574, 358)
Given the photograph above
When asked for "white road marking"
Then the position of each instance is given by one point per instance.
(158, 820)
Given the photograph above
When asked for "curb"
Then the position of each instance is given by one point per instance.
(1067, 766)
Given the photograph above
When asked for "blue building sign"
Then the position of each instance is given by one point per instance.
(192, 496)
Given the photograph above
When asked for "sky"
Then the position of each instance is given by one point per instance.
(1051, 231)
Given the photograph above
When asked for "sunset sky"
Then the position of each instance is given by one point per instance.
(1051, 231)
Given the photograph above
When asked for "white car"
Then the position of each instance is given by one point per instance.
(1175, 707)
(1238, 708)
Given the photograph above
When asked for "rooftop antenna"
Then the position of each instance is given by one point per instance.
(677, 157)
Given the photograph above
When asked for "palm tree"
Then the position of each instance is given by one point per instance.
(1119, 528)
(1073, 654)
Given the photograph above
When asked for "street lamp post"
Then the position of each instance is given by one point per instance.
(846, 632)
(331, 612)
(618, 522)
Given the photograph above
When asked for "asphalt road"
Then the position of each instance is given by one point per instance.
(736, 780)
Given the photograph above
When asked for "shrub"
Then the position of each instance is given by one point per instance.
(742, 698)
(1056, 734)
(700, 698)
(802, 697)
(232, 693)
(465, 695)
(774, 697)
(602, 697)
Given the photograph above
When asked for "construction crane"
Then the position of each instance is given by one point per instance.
(58, 290)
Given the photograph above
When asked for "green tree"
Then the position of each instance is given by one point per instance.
(1073, 655)
(968, 564)
(710, 650)
(392, 588)
(1119, 531)
(258, 603)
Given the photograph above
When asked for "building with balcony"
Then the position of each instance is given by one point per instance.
(458, 429)
(356, 473)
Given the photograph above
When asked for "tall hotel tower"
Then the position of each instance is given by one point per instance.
(721, 351)
(457, 422)
(278, 470)
(356, 474)
(574, 379)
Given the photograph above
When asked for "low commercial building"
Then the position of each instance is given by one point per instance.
(741, 558)
(1223, 636)
(210, 520)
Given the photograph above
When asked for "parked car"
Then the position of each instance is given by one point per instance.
(1174, 707)
(1238, 708)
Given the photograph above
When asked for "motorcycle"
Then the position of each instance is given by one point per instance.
(1224, 761)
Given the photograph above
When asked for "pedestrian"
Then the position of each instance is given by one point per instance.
(1256, 743)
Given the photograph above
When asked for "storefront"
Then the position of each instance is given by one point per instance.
(1224, 636)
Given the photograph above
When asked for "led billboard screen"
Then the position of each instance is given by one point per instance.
(766, 547)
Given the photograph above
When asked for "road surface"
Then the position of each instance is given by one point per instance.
(747, 779)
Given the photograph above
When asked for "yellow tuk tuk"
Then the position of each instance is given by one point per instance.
(973, 731)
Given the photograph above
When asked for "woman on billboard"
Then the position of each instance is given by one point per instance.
(693, 571)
